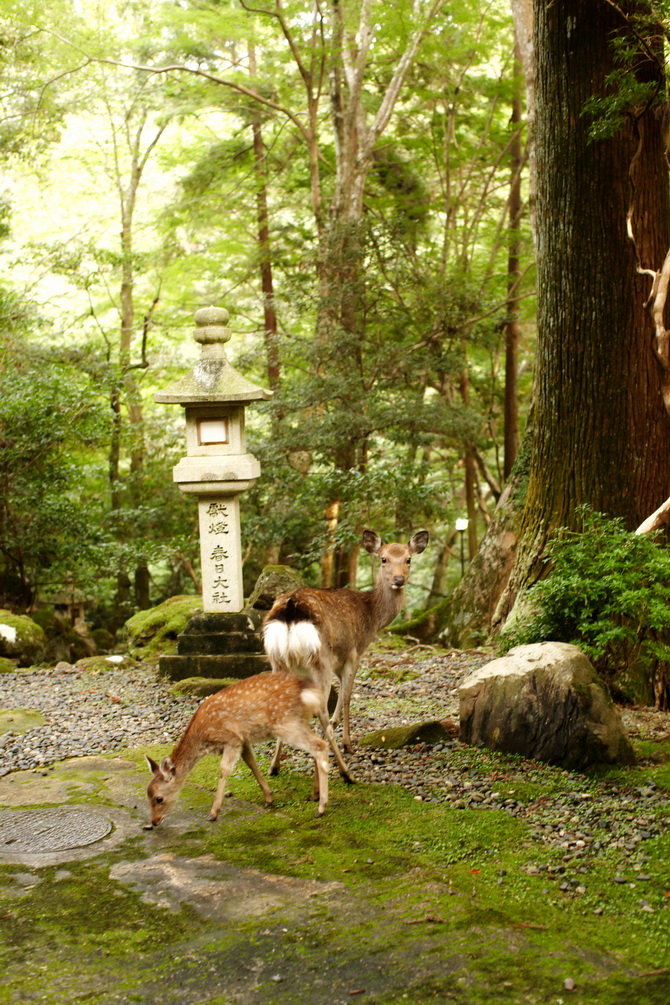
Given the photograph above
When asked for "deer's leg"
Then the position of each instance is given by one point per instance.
(348, 677)
(230, 754)
(335, 717)
(276, 759)
(301, 736)
(276, 665)
(248, 757)
(322, 675)
(320, 754)
(330, 734)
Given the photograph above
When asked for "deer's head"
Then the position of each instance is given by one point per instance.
(395, 558)
(162, 789)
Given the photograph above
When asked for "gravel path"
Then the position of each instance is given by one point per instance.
(90, 713)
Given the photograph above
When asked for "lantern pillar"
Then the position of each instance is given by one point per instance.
(222, 641)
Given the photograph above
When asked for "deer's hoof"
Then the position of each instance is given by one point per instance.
(211, 819)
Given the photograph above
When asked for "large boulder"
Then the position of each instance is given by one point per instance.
(273, 580)
(545, 702)
(21, 639)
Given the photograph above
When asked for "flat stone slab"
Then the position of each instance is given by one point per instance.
(50, 830)
(217, 889)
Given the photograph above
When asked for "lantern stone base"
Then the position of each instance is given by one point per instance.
(217, 645)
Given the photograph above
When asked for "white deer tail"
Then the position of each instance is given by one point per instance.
(292, 645)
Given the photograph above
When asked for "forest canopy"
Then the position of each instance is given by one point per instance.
(349, 180)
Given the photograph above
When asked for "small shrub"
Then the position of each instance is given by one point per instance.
(607, 591)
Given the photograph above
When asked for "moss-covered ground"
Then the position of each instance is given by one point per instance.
(425, 903)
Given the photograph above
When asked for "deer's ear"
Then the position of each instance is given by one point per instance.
(167, 768)
(372, 541)
(153, 767)
(418, 542)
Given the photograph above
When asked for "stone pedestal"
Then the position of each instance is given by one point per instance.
(217, 646)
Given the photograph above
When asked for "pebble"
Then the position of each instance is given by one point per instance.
(90, 712)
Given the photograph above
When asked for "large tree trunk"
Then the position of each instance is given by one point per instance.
(600, 433)
(513, 276)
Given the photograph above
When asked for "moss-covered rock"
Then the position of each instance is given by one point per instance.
(273, 580)
(104, 640)
(395, 737)
(7, 666)
(149, 634)
(21, 639)
(201, 687)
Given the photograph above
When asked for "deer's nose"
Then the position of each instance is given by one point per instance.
(398, 580)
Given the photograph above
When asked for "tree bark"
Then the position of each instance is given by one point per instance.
(511, 434)
(600, 433)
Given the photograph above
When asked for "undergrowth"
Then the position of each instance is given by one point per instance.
(606, 590)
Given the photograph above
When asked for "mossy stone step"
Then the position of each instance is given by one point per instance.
(222, 665)
(218, 643)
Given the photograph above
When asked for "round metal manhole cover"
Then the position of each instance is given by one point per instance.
(30, 831)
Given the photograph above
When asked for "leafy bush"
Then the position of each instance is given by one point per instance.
(607, 591)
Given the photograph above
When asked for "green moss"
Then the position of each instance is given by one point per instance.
(19, 720)
(403, 736)
(432, 903)
(150, 633)
(29, 643)
(201, 687)
(6, 665)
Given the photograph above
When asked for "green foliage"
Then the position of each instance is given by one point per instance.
(48, 413)
(607, 591)
(631, 88)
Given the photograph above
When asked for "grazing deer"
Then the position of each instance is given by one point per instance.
(325, 632)
(228, 723)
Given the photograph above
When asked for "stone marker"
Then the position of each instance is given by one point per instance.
(217, 467)
(216, 470)
(545, 702)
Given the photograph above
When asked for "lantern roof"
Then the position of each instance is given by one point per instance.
(212, 380)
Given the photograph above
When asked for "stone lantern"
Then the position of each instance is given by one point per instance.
(216, 470)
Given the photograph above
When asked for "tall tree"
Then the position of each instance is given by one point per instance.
(600, 433)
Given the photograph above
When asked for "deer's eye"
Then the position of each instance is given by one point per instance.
(384, 561)
(158, 799)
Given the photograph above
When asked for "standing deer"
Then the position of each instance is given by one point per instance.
(325, 632)
(278, 705)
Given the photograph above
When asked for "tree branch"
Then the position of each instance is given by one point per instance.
(658, 519)
(176, 68)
